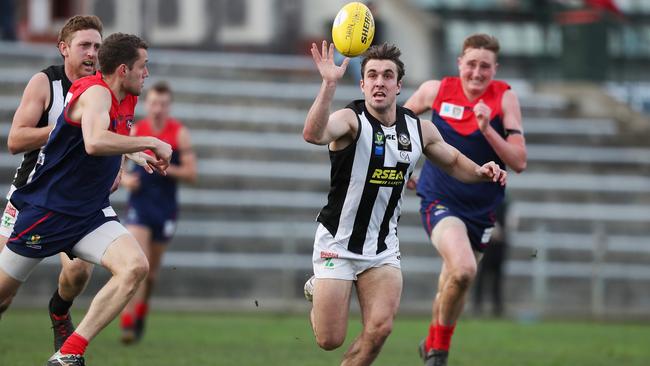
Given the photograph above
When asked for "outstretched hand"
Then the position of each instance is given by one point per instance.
(148, 162)
(324, 61)
(492, 172)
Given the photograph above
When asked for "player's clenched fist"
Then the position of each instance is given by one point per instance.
(492, 171)
(482, 113)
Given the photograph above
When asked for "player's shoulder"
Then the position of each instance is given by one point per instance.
(55, 72)
(429, 89)
(39, 79)
(407, 112)
(432, 83)
(500, 85)
(357, 106)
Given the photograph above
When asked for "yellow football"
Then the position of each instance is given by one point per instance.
(353, 29)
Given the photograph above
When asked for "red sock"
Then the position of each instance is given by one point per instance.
(126, 321)
(141, 310)
(74, 345)
(428, 344)
(442, 337)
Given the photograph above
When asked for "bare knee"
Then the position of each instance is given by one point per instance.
(134, 272)
(138, 269)
(463, 276)
(330, 342)
(76, 274)
(378, 333)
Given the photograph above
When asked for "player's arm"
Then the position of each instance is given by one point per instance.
(512, 149)
(422, 100)
(24, 135)
(321, 127)
(454, 163)
(93, 109)
(146, 161)
(118, 178)
(186, 171)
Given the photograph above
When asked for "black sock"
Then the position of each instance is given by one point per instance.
(58, 306)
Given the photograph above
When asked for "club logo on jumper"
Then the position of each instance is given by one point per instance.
(34, 241)
(404, 140)
(379, 143)
(388, 177)
(451, 111)
(379, 138)
(324, 254)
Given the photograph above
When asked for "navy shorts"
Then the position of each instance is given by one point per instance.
(39, 233)
(479, 233)
(162, 228)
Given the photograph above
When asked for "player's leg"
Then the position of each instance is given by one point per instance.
(482, 278)
(154, 256)
(450, 237)
(452, 242)
(73, 279)
(329, 314)
(6, 227)
(142, 234)
(379, 290)
(115, 249)
(8, 288)
(332, 287)
(14, 270)
(426, 345)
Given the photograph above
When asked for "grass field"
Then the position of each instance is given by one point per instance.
(259, 339)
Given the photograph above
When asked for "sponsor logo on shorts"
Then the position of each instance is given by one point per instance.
(10, 210)
(440, 209)
(324, 254)
(34, 241)
(329, 263)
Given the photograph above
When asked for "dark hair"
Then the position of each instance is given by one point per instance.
(481, 40)
(384, 51)
(161, 87)
(77, 23)
(118, 49)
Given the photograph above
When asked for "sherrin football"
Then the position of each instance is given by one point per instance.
(353, 29)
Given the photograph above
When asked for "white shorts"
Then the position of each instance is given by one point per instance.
(90, 248)
(332, 260)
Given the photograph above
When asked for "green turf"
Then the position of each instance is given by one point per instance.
(256, 339)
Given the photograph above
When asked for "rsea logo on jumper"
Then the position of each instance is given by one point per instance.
(387, 177)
